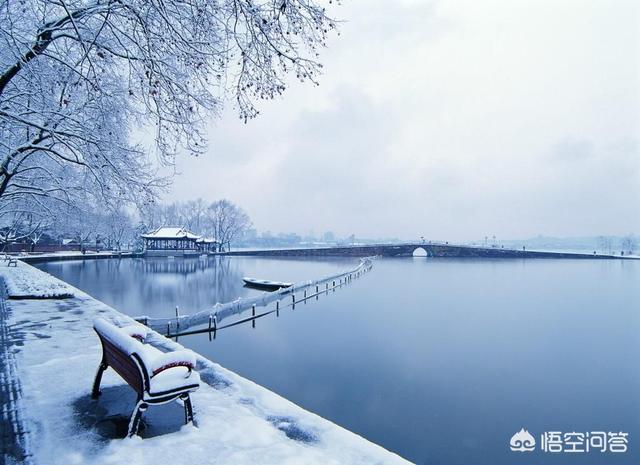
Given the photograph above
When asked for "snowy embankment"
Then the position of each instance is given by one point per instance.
(26, 282)
(238, 422)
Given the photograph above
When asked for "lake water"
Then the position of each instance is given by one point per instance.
(439, 360)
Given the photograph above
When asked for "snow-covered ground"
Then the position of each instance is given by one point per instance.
(238, 422)
(25, 281)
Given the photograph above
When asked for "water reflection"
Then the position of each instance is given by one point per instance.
(155, 286)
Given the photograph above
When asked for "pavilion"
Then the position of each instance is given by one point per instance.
(172, 241)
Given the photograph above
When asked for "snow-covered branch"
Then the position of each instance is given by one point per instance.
(77, 76)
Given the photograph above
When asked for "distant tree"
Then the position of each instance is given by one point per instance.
(227, 222)
(76, 76)
(23, 219)
(629, 244)
(35, 227)
(328, 237)
(194, 214)
(118, 226)
(150, 216)
(81, 222)
(137, 242)
(605, 244)
(12, 229)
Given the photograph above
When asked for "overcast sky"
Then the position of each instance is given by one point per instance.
(448, 119)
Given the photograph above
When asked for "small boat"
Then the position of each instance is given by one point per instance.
(265, 284)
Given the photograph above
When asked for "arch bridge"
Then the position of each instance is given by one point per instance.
(407, 250)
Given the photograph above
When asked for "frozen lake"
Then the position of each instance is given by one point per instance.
(439, 360)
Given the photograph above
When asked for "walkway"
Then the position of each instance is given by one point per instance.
(14, 432)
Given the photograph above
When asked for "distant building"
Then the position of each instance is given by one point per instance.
(177, 241)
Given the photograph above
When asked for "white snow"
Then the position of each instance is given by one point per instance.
(171, 233)
(26, 281)
(238, 422)
(138, 331)
(154, 360)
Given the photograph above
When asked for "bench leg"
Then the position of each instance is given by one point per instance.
(136, 416)
(188, 409)
(95, 392)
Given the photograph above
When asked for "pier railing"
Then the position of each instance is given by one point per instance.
(214, 315)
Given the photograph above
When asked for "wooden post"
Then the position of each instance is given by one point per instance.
(210, 323)
(177, 318)
(253, 313)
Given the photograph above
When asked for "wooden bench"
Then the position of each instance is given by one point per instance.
(157, 377)
(9, 259)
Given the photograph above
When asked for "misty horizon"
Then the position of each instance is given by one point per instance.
(450, 120)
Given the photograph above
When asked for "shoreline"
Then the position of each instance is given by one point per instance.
(238, 421)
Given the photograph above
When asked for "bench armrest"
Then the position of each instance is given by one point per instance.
(136, 331)
(177, 358)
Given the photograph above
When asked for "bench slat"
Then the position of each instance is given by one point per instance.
(124, 365)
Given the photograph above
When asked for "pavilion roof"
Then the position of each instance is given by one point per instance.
(171, 233)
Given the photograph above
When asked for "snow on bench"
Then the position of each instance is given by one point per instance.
(9, 259)
(157, 377)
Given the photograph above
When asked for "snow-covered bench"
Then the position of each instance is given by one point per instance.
(157, 377)
(9, 259)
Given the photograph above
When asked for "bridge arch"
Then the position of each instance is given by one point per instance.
(420, 252)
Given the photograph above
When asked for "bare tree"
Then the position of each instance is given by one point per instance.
(118, 227)
(22, 219)
(194, 215)
(35, 227)
(629, 244)
(81, 222)
(12, 229)
(227, 222)
(76, 76)
(151, 216)
(605, 244)
(222, 219)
